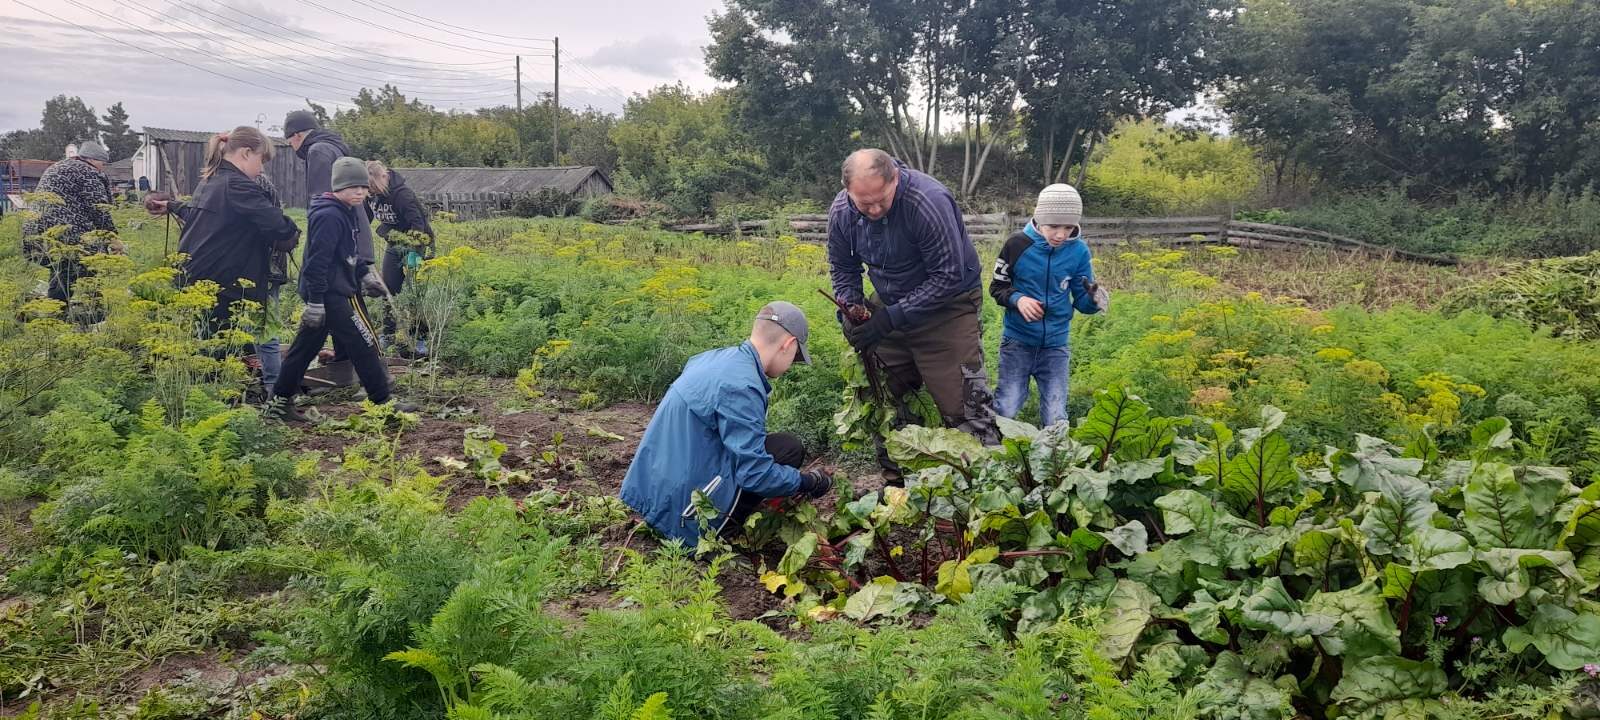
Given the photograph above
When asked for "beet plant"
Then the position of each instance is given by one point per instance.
(1360, 578)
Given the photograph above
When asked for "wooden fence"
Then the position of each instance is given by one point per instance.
(471, 205)
(1182, 230)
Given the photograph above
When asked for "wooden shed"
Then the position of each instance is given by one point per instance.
(176, 157)
(580, 181)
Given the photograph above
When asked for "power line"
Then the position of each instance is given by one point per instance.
(214, 57)
(441, 43)
(169, 58)
(255, 51)
(392, 57)
(441, 27)
(445, 74)
(202, 52)
(616, 93)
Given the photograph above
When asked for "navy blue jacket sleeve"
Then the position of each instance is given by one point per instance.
(322, 250)
(319, 168)
(844, 265)
(1002, 285)
(939, 234)
(743, 428)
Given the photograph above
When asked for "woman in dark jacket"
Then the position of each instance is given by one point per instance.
(232, 225)
(397, 208)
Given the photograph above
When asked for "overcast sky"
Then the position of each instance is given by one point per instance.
(165, 59)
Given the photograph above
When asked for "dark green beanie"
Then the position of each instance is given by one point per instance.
(349, 172)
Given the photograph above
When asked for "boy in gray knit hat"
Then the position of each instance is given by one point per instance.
(1042, 277)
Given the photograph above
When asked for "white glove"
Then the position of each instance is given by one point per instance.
(313, 316)
(372, 285)
(1102, 299)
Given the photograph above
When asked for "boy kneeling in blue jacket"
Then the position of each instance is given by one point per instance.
(330, 286)
(1042, 276)
(710, 434)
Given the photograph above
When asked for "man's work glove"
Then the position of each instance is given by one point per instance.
(868, 334)
(372, 285)
(313, 316)
(815, 483)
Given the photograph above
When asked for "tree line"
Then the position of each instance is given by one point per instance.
(1431, 97)
(67, 120)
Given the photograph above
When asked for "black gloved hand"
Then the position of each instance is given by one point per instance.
(815, 484)
(868, 334)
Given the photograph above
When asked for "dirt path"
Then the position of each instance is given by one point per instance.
(595, 449)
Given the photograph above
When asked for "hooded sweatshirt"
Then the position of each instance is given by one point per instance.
(330, 263)
(399, 209)
(320, 149)
(1055, 276)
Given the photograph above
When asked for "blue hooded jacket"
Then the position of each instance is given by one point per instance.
(1056, 277)
(708, 434)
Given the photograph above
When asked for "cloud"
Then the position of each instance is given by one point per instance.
(654, 56)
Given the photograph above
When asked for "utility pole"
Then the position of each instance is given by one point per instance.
(519, 84)
(555, 117)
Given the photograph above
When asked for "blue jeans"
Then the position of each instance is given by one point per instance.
(268, 351)
(1046, 366)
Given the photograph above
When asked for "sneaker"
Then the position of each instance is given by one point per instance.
(283, 409)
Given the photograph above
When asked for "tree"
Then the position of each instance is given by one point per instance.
(1436, 96)
(120, 141)
(684, 149)
(887, 72)
(65, 121)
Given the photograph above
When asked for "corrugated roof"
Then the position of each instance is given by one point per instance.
(506, 180)
(29, 168)
(194, 136)
(120, 170)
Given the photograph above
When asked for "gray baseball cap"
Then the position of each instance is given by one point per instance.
(792, 320)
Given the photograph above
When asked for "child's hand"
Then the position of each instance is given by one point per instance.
(1031, 309)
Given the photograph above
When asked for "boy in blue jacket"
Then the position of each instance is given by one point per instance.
(1043, 276)
(710, 434)
(330, 286)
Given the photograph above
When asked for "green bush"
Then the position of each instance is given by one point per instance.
(153, 490)
(1561, 294)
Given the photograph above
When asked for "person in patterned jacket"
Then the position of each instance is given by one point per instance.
(85, 196)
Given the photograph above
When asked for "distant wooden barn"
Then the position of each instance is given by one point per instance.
(173, 159)
(482, 192)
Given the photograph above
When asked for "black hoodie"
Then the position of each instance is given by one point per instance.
(320, 149)
(329, 264)
(399, 209)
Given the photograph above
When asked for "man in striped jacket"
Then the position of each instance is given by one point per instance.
(905, 229)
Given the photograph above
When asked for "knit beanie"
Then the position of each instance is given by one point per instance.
(298, 121)
(93, 150)
(349, 172)
(1059, 204)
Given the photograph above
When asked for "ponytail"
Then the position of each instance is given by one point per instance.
(378, 177)
(242, 137)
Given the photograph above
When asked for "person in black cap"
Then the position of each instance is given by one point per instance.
(320, 148)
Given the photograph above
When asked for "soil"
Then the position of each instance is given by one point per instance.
(587, 437)
(590, 458)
